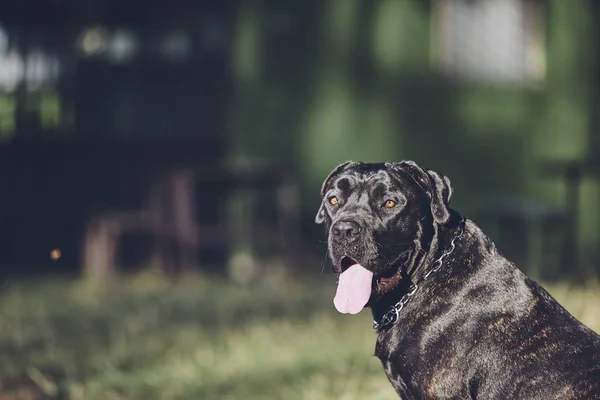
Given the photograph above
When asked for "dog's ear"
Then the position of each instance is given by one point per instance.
(440, 199)
(436, 185)
(320, 217)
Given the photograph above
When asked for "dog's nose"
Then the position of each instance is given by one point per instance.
(346, 230)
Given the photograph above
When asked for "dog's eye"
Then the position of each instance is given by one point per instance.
(333, 200)
(389, 204)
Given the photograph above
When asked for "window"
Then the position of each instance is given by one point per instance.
(490, 41)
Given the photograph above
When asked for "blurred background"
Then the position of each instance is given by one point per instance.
(160, 165)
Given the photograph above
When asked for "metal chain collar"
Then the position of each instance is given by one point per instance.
(391, 314)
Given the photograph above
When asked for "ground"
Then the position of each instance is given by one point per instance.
(198, 338)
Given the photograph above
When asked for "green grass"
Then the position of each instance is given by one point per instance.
(197, 339)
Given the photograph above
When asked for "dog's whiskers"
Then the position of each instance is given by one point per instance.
(325, 260)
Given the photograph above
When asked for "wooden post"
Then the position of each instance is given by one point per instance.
(185, 224)
(100, 250)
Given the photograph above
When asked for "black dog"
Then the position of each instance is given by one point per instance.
(454, 318)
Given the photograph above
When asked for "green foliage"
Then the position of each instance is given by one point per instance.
(197, 339)
(358, 80)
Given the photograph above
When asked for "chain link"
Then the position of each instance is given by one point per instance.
(391, 314)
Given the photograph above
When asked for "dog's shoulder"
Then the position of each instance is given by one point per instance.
(484, 317)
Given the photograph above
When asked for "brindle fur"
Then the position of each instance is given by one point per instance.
(478, 328)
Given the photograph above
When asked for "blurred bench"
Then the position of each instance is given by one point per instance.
(524, 229)
(571, 173)
(180, 224)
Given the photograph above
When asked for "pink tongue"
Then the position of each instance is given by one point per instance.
(354, 289)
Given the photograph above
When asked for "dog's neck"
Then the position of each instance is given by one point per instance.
(440, 241)
(383, 303)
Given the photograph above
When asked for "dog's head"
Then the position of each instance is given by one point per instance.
(380, 215)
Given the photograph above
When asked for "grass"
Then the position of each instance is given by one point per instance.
(197, 339)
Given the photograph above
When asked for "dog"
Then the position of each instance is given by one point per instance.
(454, 318)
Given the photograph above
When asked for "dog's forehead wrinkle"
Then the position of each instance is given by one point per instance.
(367, 176)
(363, 197)
(362, 187)
(343, 184)
(347, 184)
(374, 177)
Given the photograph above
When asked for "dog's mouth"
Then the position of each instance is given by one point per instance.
(382, 280)
(346, 262)
(357, 285)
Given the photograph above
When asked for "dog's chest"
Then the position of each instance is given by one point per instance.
(386, 349)
(413, 376)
